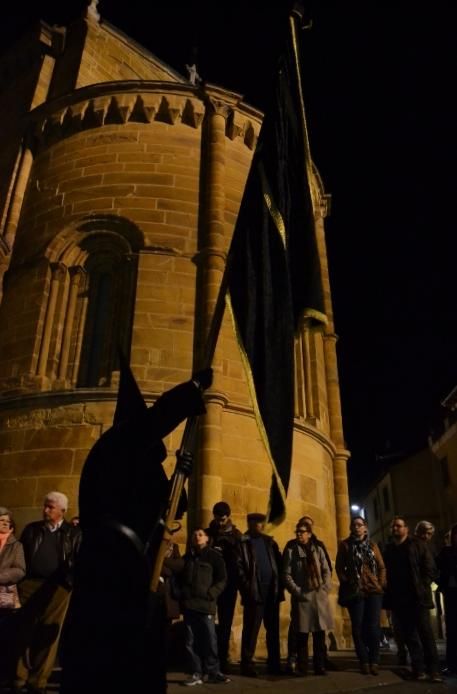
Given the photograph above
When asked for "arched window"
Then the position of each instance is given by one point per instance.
(89, 305)
(109, 294)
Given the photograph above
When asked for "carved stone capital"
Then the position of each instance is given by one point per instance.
(218, 107)
(77, 272)
(59, 270)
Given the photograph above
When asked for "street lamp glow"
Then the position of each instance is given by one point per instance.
(354, 507)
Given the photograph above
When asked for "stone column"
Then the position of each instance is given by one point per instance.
(58, 271)
(333, 388)
(76, 273)
(336, 432)
(212, 258)
(309, 400)
(17, 196)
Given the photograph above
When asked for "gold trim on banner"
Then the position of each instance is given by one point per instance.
(308, 160)
(258, 416)
(315, 315)
(272, 208)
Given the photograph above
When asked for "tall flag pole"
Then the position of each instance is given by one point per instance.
(274, 274)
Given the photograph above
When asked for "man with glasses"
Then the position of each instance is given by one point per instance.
(410, 572)
(225, 536)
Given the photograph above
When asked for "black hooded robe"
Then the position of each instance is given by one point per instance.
(112, 639)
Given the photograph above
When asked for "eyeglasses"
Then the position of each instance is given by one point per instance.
(301, 532)
(358, 525)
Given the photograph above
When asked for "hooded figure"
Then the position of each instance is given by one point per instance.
(112, 640)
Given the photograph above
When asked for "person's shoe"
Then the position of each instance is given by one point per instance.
(364, 669)
(220, 678)
(291, 667)
(275, 670)
(419, 676)
(320, 671)
(449, 672)
(374, 669)
(402, 658)
(248, 670)
(436, 677)
(193, 680)
(331, 666)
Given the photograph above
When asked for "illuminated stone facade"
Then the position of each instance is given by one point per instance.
(120, 186)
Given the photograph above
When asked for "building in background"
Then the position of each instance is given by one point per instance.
(443, 444)
(410, 486)
(420, 486)
(120, 184)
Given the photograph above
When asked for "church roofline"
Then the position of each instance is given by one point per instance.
(144, 52)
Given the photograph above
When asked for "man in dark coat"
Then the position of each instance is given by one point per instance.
(410, 571)
(50, 549)
(225, 536)
(115, 622)
(259, 566)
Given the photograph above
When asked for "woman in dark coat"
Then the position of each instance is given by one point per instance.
(447, 565)
(360, 569)
(307, 577)
(12, 570)
(12, 562)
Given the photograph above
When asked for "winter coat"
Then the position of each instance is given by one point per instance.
(310, 609)
(69, 540)
(447, 565)
(369, 582)
(12, 568)
(423, 572)
(202, 578)
(12, 562)
(226, 542)
(318, 543)
(248, 577)
(166, 589)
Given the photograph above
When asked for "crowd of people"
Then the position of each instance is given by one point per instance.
(36, 575)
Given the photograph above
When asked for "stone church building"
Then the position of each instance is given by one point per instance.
(120, 184)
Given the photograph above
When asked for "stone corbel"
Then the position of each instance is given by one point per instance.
(193, 113)
(235, 125)
(171, 109)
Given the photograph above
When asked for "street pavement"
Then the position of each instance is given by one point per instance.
(347, 678)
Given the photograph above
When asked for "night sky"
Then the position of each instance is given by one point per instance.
(380, 83)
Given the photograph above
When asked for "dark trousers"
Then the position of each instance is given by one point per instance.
(365, 616)
(292, 647)
(416, 629)
(450, 615)
(253, 616)
(201, 642)
(44, 608)
(225, 611)
(318, 650)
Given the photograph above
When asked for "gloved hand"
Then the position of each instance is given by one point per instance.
(184, 462)
(203, 378)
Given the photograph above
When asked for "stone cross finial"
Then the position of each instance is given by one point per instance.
(92, 11)
(194, 77)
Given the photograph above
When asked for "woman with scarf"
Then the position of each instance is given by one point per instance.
(307, 577)
(362, 575)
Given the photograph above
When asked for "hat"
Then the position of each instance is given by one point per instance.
(256, 517)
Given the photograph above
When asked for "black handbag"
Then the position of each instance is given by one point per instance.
(347, 593)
